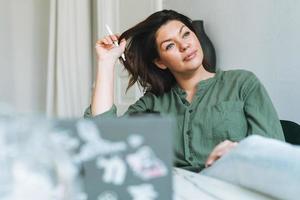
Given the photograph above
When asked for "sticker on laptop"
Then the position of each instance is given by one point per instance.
(94, 145)
(145, 164)
(135, 140)
(114, 169)
(142, 192)
(108, 195)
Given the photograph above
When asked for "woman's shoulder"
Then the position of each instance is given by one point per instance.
(148, 102)
(148, 98)
(238, 75)
(153, 100)
(238, 72)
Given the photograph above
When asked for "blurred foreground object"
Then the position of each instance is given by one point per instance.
(77, 159)
(34, 164)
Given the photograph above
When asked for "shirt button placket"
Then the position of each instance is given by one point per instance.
(187, 137)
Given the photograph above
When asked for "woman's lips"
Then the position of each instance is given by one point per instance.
(190, 56)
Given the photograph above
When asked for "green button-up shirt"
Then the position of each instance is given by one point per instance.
(230, 106)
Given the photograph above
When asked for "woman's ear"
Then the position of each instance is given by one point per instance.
(160, 64)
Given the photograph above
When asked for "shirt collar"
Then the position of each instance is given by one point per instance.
(200, 86)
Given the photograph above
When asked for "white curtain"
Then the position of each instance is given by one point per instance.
(23, 55)
(70, 58)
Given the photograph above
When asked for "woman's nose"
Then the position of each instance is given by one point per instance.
(184, 46)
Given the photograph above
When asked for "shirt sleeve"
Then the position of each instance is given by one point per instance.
(112, 112)
(144, 104)
(261, 115)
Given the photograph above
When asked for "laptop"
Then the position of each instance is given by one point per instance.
(103, 159)
(127, 158)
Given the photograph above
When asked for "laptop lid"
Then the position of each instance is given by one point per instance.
(127, 158)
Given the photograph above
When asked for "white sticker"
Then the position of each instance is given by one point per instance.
(114, 169)
(88, 131)
(135, 140)
(95, 145)
(108, 195)
(145, 164)
(63, 139)
(142, 192)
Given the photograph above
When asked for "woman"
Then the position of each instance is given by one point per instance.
(214, 111)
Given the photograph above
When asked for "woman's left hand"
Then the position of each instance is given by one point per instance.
(220, 150)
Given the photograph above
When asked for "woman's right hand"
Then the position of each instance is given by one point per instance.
(107, 51)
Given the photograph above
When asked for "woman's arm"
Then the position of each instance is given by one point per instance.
(260, 113)
(262, 118)
(107, 56)
(143, 105)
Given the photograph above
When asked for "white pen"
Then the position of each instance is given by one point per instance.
(115, 42)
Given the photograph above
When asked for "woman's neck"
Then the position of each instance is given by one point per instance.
(189, 82)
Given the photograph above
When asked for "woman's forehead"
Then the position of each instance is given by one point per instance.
(169, 29)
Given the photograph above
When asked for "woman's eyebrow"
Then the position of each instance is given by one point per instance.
(180, 30)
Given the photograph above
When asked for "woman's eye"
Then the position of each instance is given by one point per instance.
(186, 34)
(169, 46)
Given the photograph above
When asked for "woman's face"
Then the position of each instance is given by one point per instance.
(179, 48)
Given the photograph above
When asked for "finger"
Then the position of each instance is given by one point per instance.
(224, 144)
(99, 42)
(211, 159)
(219, 147)
(103, 41)
(220, 150)
(109, 40)
(234, 144)
(103, 44)
(223, 151)
(213, 156)
(114, 37)
(123, 44)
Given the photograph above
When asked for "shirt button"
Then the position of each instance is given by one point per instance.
(191, 111)
(191, 158)
(188, 132)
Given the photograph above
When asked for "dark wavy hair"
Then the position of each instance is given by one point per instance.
(141, 51)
